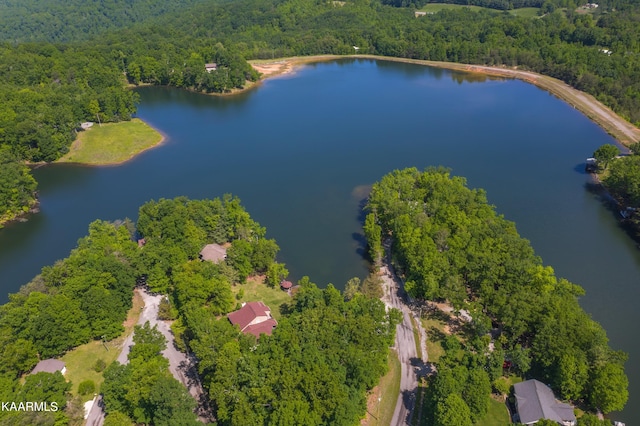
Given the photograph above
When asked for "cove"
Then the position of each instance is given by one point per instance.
(301, 151)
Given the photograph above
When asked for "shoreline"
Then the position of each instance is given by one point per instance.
(620, 129)
(34, 208)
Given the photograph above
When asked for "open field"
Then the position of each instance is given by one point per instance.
(255, 290)
(437, 7)
(382, 399)
(80, 361)
(435, 329)
(527, 12)
(112, 143)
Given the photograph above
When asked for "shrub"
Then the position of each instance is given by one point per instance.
(87, 387)
(99, 366)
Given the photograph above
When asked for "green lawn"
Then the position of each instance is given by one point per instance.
(435, 333)
(528, 12)
(498, 415)
(112, 143)
(437, 7)
(416, 337)
(387, 391)
(255, 290)
(80, 361)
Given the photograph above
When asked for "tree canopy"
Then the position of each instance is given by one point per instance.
(441, 229)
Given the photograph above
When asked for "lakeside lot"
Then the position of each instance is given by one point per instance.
(112, 143)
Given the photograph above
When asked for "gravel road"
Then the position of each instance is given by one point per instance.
(180, 365)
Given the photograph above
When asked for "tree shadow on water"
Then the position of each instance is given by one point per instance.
(581, 168)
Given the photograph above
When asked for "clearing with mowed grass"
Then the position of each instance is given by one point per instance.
(81, 361)
(527, 12)
(112, 143)
(255, 290)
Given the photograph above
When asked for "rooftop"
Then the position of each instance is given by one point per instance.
(213, 253)
(49, 366)
(254, 318)
(536, 401)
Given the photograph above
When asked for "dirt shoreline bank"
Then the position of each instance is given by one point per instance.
(620, 129)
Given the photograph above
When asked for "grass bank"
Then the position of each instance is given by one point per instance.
(625, 132)
(382, 400)
(80, 361)
(498, 415)
(112, 143)
(435, 328)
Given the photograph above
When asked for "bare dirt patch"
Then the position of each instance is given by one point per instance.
(271, 69)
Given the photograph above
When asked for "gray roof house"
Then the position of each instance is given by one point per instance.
(535, 401)
(50, 366)
(213, 253)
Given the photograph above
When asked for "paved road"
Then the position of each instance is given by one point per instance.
(412, 367)
(96, 414)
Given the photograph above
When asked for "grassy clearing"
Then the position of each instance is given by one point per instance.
(255, 290)
(435, 334)
(112, 143)
(382, 399)
(527, 12)
(513, 379)
(498, 415)
(437, 7)
(80, 361)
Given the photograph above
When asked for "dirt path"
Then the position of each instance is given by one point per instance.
(625, 132)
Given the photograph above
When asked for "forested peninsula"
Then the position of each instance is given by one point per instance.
(452, 247)
(316, 367)
(62, 63)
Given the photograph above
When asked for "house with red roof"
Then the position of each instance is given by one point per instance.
(254, 318)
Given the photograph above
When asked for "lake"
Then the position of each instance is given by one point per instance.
(302, 150)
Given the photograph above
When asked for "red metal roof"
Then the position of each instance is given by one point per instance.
(249, 312)
(286, 285)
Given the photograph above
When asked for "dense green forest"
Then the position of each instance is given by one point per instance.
(326, 353)
(61, 21)
(48, 89)
(451, 245)
(621, 177)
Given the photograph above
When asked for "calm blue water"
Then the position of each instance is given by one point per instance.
(301, 151)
